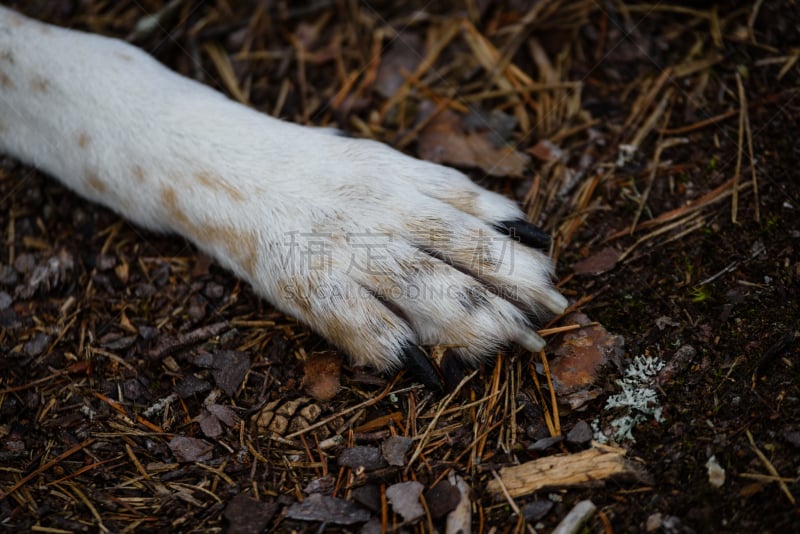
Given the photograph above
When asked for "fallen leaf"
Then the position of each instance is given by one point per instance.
(678, 363)
(224, 414)
(321, 375)
(247, 515)
(793, 437)
(541, 445)
(191, 385)
(46, 275)
(404, 498)
(368, 496)
(324, 485)
(444, 140)
(229, 369)
(580, 354)
(400, 60)
(395, 448)
(328, 509)
(546, 151)
(442, 499)
(209, 425)
(597, 263)
(460, 519)
(534, 511)
(187, 449)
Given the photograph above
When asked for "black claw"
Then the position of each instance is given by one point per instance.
(454, 370)
(527, 233)
(420, 368)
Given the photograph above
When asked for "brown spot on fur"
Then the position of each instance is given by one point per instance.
(6, 82)
(83, 139)
(94, 182)
(40, 85)
(215, 183)
(123, 56)
(16, 21)
(138, 173)
(241, 246)
(466, 201)
(7, 55)
(170, 201)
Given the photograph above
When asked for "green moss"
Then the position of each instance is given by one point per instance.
(700, 294)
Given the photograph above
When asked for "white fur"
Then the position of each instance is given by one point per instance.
(321, 225)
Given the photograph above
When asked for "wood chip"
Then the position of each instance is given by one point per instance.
(598, 463)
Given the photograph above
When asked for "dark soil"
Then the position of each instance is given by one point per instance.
(95, 313)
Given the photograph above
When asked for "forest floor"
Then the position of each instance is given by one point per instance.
(141, 385)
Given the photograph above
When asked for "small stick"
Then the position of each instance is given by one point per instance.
(184, 340)
(770, 468)
(576, 517)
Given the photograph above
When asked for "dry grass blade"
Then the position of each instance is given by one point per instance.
(740, 149)
(443, 39)
(662, 145)
(225, 70)
(549, 412)
(442, 405)
(351, 409)
(771, 468)
(750, 153)
(55, 461)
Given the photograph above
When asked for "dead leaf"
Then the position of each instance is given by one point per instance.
(368, 496)
(535, 510)
(224, 413)
(210, 425)
(214, 416)
(400, 60)
(328, 509)
(442, 499)
(187, 449)
(677, 364)
(191, 385)
(546, 151)
(404, 498)
(580, 354)
(247, 515)
(229, 369)
(323, 485)
(597, 263)
(46, 275)
(444, 140)
(321, 377)
(395, 448)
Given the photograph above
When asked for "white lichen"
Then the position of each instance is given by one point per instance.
(636, 402)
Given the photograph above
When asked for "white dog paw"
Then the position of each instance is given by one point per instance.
(380, 253)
